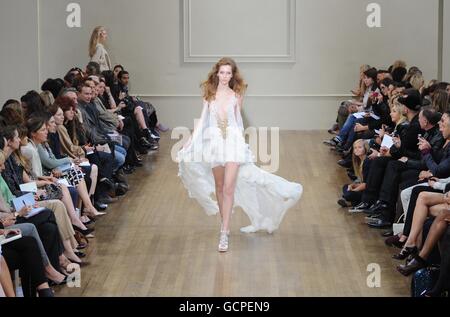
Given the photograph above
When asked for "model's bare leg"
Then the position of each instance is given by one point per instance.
(229, 186)
(219, 175)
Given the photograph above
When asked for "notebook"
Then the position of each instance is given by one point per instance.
(27, 200)
(387, 141)
(28, 187)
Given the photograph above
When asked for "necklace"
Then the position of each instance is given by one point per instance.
(222, 124)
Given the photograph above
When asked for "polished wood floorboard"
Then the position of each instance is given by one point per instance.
(156, 241)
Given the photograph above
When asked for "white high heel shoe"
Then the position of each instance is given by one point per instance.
(223, 241)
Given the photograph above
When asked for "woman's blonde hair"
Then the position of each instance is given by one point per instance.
(358, 162)
(362, 86)
(47, 98)
(417, 81)
(399, 63)
(237, 83)
(95, 36)
(398, 107)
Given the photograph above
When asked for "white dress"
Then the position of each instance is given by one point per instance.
(263, 196)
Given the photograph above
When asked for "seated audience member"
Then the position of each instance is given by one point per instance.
(405, 146)
(370, 78)
(117, 69)
(361, 165)
(94, 132)
(347, 107)
(427, 182)
(54, 86)
(18, 171)
(47, 98)
(6, 285)
(74, 144)
(440, 101)
(45, 223)
(437, 230)
(43, 157)
(406, 171)
(92, 68)
(11, 179)
(144, 112)
(32, 103)
(23, 255)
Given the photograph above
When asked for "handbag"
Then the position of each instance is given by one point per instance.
(397, 227)
(53, 191)
(424, 280)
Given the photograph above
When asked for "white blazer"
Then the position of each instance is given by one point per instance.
(101, 57)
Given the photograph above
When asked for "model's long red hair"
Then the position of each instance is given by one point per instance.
(237, 83)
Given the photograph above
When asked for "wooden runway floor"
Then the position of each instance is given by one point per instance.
(156, 241)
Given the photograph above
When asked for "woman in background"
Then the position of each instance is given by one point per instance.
(97, 51)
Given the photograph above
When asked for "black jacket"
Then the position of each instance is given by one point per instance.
(383, 111)
(408, 136)
(436, 140)
(91, 123)
(441, 168)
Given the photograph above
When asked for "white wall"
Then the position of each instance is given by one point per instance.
(446, 54)
(18, 48)
(331, 41)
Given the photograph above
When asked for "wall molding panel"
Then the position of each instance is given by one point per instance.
(193, 54)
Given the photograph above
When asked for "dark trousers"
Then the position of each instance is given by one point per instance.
(396, 172)
(47, 228)
(351, 196)
(134, 133)
(23, 255)
(375, 179)
(104, 161)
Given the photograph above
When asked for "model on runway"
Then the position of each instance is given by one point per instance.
(216, 159)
